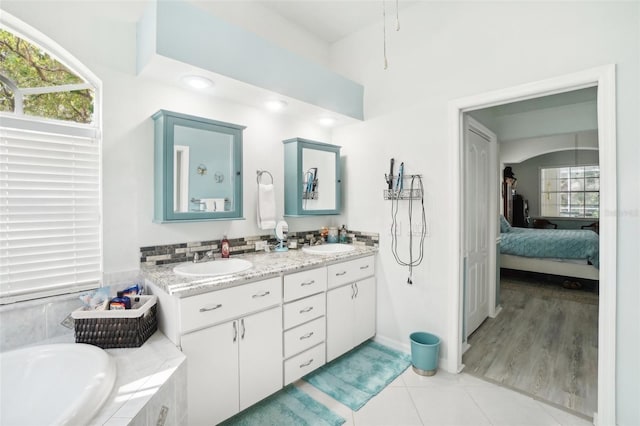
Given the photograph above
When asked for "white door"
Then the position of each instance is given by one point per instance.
(478, 212)
(365, 310)
(260, 356)
(212, 373)
(339, 320)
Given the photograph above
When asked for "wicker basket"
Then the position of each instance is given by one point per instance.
(117, 329)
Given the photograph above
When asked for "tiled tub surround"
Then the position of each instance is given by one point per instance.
(265, 265)
(148, 378)
(183, 252)
(32, 321)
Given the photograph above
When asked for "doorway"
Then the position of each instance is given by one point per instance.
(604, 79)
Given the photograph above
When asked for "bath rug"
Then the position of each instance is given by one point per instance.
(357, 376)
(288, 407)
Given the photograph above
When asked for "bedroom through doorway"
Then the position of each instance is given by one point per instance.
(543, 338)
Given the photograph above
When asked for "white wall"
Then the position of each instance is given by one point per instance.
(106, 45)
(449, 50)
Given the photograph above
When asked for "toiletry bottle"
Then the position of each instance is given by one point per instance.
(332, 235)
(225, 247)
(120, 302)
(343, 235)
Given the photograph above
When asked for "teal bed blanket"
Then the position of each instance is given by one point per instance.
(551, 243)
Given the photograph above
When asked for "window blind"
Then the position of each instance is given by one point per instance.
(50, 204)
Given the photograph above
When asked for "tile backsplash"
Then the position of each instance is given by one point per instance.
(182, 252)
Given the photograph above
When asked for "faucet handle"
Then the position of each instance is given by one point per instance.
(196, 257)
(210, 255)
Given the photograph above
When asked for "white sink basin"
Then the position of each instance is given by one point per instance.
(212, 268)
(327, 249)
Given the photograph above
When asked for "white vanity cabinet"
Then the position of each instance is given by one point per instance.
(233, 342)
(304, 322)
(351, 305)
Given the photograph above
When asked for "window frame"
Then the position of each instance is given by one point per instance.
(584, 191)
(91, 130)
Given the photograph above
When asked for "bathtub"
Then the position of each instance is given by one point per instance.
(58, 384)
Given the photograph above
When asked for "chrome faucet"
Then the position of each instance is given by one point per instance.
(207, 256)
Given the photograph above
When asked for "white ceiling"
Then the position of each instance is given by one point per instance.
(332, 20)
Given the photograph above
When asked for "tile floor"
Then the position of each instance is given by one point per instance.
(447, 399)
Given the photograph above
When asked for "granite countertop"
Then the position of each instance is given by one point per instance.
(265, 265)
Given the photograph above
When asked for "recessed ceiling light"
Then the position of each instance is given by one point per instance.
(327, 121)
(275, 104)
(197, 81)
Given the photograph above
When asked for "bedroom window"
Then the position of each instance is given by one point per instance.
(50, 184)
(570, 191)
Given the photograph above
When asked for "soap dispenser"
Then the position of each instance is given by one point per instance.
(343, 235)
(225, 247)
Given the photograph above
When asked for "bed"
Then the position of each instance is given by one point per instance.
(567, 252)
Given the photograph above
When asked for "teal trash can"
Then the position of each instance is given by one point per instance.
(425, 349)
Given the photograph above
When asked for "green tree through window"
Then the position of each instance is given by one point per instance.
(46, 88)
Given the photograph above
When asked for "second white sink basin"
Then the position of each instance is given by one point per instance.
(328, 249)
(213, 268)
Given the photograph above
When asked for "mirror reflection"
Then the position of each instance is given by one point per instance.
(318, 182)
(203, 162)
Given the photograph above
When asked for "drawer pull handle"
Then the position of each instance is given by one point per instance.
(242, 325)
(307, 309)
(306, 336)
(364, 267)
(307, 283)
(266, 293)
(211, 308)
(340, 273)
(306, 363)
(235, 332)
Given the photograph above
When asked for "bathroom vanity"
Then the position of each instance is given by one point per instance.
(249, 334)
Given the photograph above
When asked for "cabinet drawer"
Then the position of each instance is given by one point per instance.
(304, 336)
(348, 272)
(217, 306)
(303, 310)
(304, 283)
(302, 364)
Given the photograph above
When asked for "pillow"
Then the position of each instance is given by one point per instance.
(504, 225)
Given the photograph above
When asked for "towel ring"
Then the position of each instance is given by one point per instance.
(260, 173)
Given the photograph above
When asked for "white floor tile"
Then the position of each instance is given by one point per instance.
(441, 378)
(563, 417)
(508, 408)
(449, 405)
(447, 399)
(392, 406)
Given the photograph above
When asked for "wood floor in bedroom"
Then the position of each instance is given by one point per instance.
(543, 343)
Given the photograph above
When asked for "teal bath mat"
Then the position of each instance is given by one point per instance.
(359, 375)
(288, 407)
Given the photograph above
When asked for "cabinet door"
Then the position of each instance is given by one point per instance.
(260, 356)
(339, 321)
(365, 310)
(212, 373)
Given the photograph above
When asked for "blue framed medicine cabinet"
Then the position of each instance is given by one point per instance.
(198, 168)
(312, 178)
